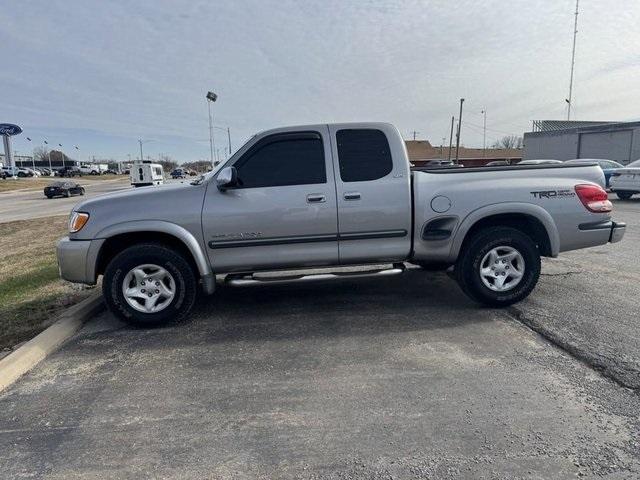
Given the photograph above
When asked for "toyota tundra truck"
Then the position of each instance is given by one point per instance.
(324, 197)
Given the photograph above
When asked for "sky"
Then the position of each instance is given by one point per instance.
(103, 74)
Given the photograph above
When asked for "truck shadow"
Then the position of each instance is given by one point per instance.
(412, 302)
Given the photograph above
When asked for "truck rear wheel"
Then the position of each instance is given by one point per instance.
(149, 285)
(498, 266)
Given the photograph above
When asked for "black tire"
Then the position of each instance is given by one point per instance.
(49, 197)
(467, 269)
(433, 267)
(67, 193)
(624, 195)
(165, 257)
(82, 191)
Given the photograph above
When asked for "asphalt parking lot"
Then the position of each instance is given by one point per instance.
(401, 377)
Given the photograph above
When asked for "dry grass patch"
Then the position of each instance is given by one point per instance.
(31, 293)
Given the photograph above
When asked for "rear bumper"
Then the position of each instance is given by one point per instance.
(77, 259)
(615, 230)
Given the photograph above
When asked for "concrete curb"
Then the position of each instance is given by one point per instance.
(19, 362)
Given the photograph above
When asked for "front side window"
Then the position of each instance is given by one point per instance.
(363, 154)
(280, 160)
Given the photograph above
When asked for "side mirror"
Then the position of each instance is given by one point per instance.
(227, 178)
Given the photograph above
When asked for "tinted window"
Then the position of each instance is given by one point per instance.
(363, 155)
(288, 159)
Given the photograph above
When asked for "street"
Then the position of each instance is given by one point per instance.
(401, 377)
(25, 205)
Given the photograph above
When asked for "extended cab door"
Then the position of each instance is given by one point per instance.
(283, 212)
(373, 191)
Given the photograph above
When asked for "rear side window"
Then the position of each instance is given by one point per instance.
(363, 154)
(288, 159)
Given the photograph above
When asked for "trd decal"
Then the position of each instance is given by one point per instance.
(553, 194)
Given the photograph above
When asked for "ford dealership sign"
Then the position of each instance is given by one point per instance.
(9, 129)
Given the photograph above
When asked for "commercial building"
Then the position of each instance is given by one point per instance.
(619, 141)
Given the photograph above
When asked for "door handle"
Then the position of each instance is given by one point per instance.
(352, 196)
(316, 198)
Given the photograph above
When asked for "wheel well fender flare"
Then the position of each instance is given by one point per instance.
(160, 226)
(511, 209)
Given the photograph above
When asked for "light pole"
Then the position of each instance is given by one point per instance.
(33, 159)
(211, 97)
(61, 154)
(49, 156)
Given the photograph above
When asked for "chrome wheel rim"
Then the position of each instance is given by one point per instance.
(148, 288)
(502, 268)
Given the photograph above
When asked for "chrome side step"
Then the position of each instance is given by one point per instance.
(247, 280)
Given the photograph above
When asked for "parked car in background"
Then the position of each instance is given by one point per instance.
(93, 168)
(539, 162)
(498, 163)
(110, 172)
(609, 167)
(625, 181)
(17, 172)
(178, 173)
(63, 188)
(70, 172)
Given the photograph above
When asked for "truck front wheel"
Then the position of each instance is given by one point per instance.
(498, 266)
(149, 284)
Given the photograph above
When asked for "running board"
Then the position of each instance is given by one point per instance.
(247, 280)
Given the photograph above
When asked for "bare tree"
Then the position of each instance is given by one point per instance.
(168, 163)
(40, 154)
(508, 141)
(199, 166)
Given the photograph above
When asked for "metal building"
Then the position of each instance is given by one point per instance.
(619, 141)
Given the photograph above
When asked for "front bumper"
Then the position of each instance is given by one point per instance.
(77, 259)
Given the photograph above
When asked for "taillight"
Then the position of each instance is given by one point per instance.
(594, 198)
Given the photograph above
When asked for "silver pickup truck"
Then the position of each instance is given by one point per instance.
(322, 196)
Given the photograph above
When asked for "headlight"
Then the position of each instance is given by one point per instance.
(77, 220)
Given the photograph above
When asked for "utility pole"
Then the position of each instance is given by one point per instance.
(484, 132)
(229, 136)
(459, 129)
(140, 142)
(573, 60)
(453, 119)
(414, 134)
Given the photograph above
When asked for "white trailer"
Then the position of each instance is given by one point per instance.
(145, 173)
